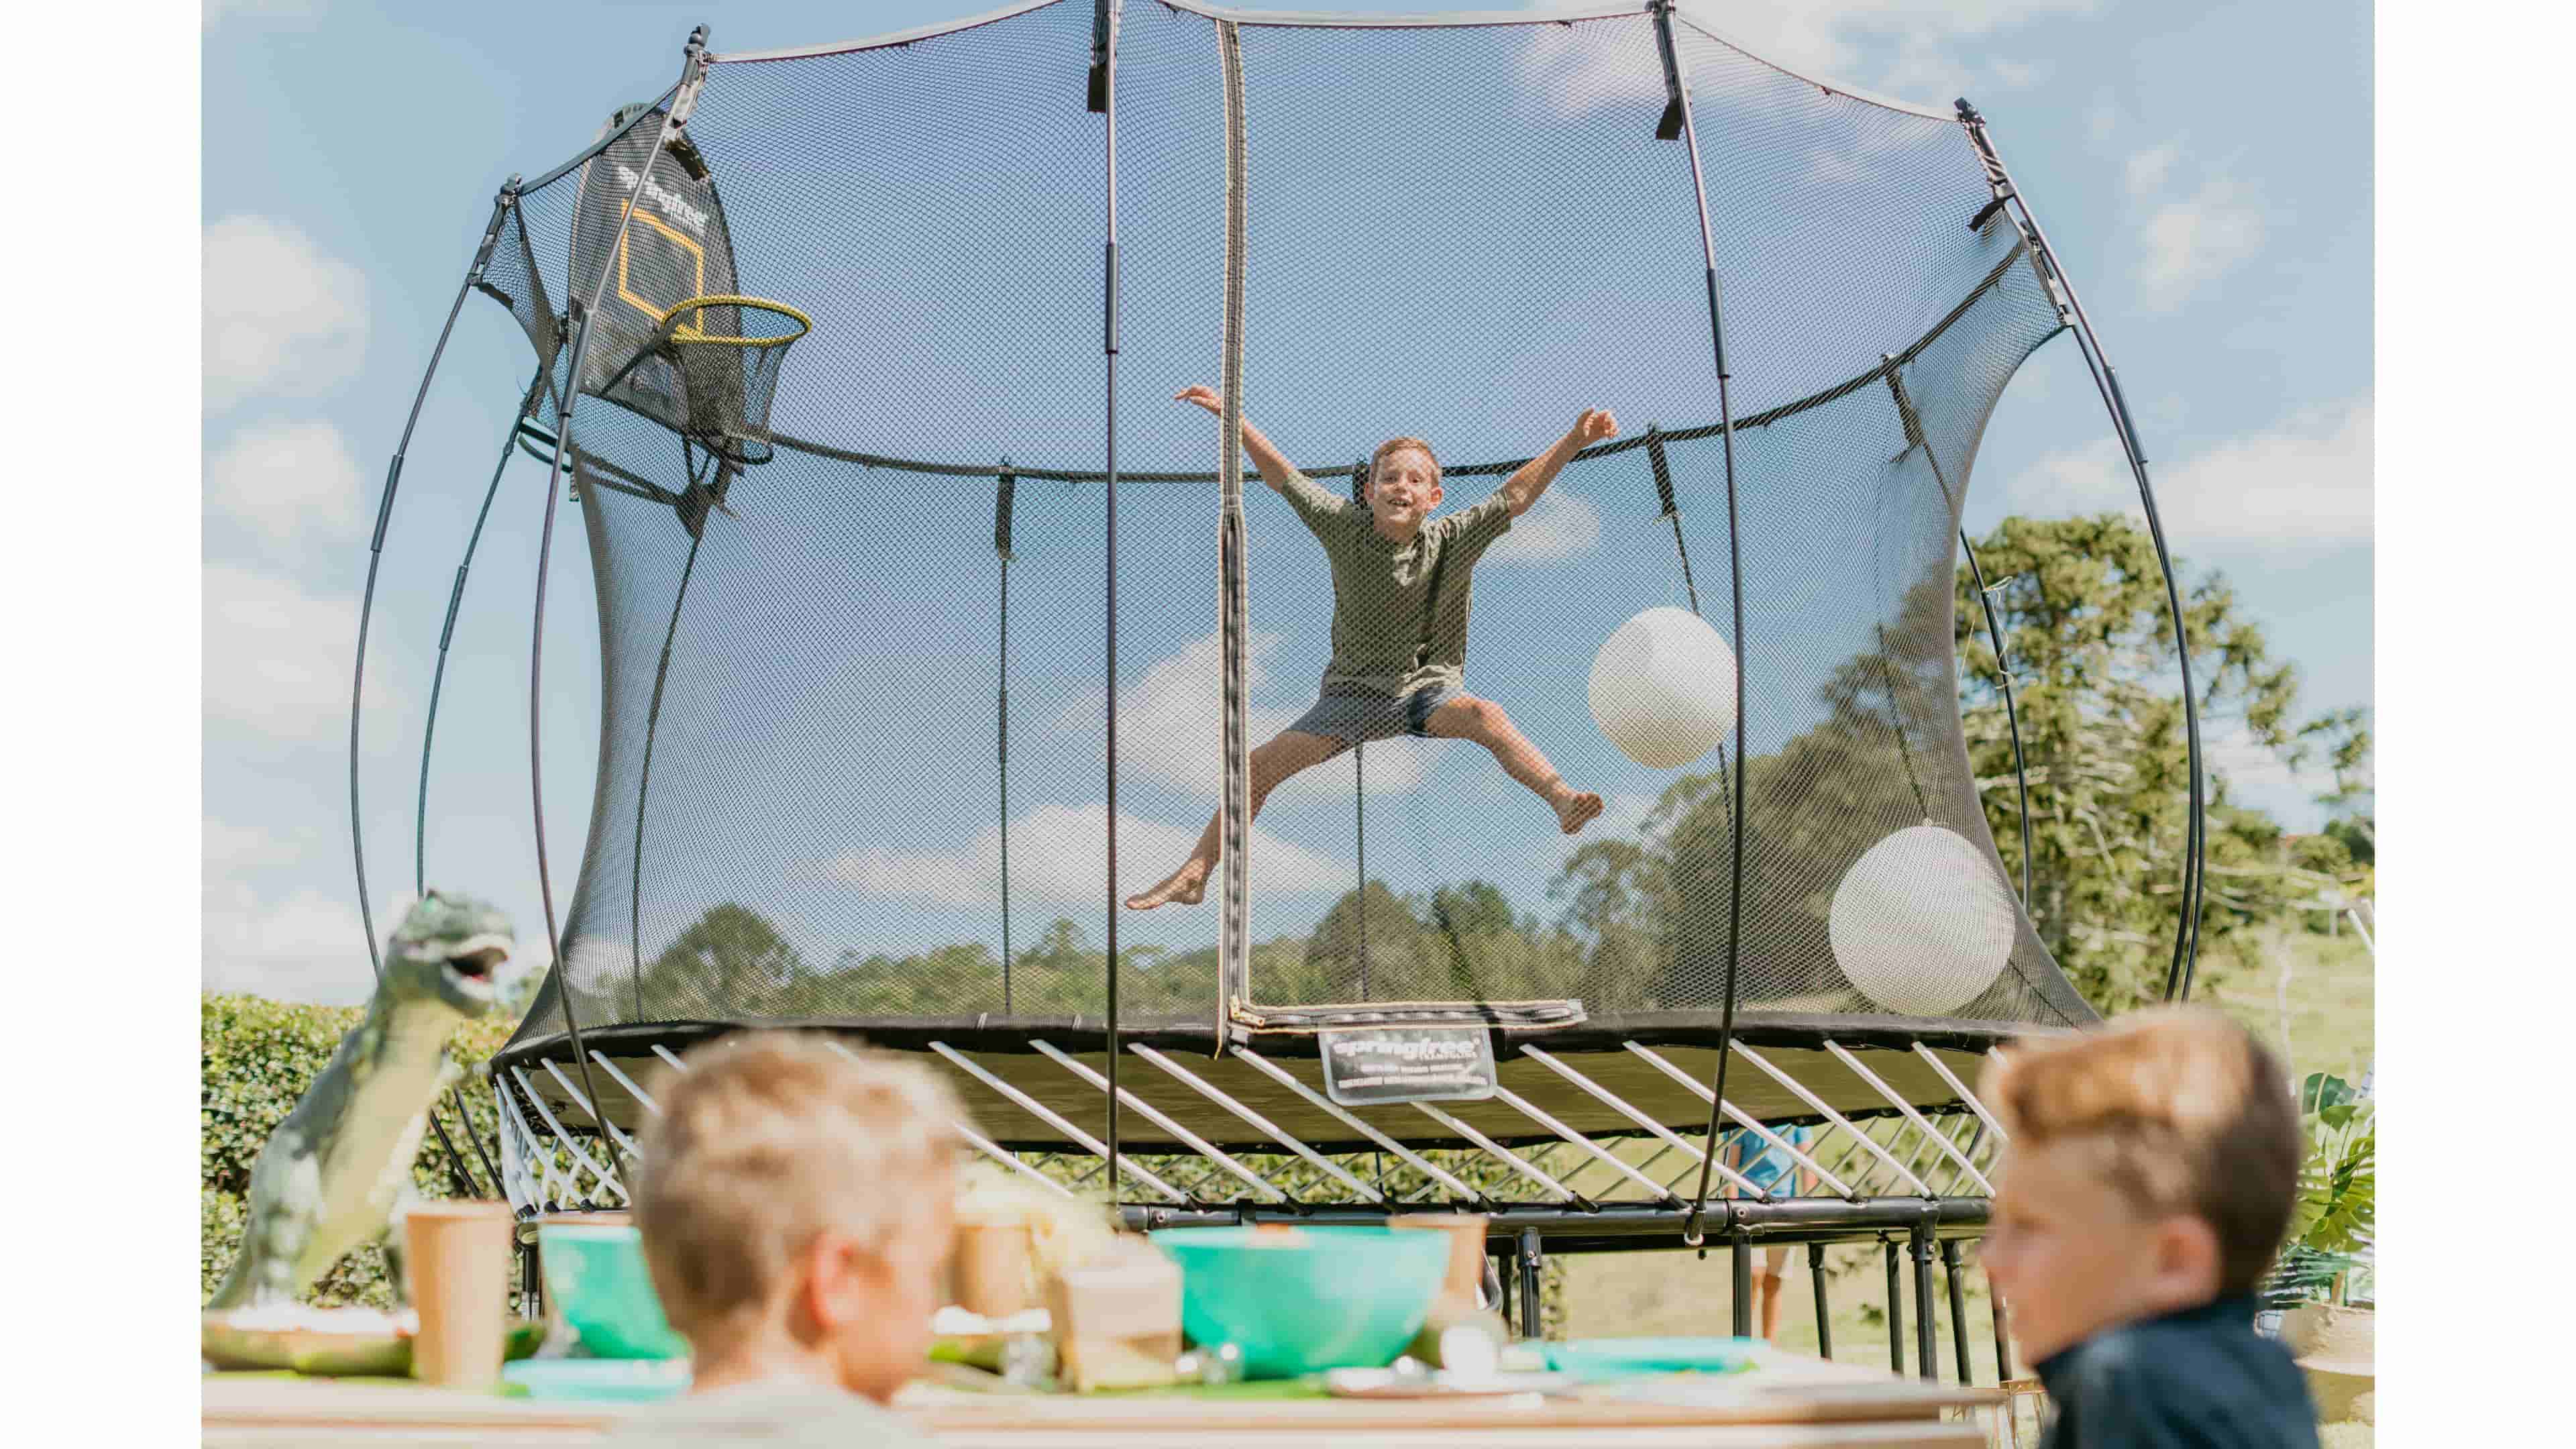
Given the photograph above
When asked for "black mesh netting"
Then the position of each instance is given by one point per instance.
(810, 800)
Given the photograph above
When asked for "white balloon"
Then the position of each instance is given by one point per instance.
(1921, 923)
(1663, 688)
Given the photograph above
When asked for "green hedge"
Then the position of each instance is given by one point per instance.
(259, 1057)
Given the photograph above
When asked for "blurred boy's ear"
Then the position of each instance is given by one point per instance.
(2187, 1260)
(841, 1282)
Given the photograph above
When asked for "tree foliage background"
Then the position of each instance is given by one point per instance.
(2081, 607)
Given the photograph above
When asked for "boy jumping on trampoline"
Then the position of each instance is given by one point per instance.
(1400, 601)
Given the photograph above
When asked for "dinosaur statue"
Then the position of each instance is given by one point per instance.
(337, 1172)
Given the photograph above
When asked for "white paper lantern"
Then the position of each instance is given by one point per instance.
(1663, 688)
(1921, 923)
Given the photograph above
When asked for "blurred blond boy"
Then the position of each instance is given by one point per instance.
(795, 1204)
(2146, 1186)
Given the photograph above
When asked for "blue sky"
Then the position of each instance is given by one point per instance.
(2212, 201)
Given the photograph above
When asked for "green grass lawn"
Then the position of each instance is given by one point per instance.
(2328, 1025)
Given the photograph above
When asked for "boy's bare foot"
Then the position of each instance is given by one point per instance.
(1188, 886)
(1574, 811)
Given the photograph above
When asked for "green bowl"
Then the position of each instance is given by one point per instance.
(595, 1277)
(1330, 1298)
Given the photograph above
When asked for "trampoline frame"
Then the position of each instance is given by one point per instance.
(1886, 1199)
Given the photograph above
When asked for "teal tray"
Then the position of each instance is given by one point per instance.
(599, 1380)
(1596, 1359)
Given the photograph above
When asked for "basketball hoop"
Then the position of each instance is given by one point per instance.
(710, 371)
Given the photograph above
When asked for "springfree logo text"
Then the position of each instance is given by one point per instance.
(673, 205)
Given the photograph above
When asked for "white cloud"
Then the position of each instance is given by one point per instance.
(277, 659)
(1176, 712)
(232, 848)
(281, 317)
(2194, 242)
(1559, 526)
(1060, 852)
(2303, 485)
(2092, 478)
(1850, 40)
(308, 947)
(287, 481)
(2148, 169)
(1577, 69)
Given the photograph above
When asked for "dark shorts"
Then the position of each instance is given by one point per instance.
(1356, 716)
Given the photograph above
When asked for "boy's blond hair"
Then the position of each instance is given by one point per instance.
(2180, 1111)
(768, 1140)
(1397, 445)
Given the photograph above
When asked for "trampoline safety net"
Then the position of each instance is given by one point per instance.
(853, 756)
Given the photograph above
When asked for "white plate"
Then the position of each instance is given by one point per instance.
(1388, 1384)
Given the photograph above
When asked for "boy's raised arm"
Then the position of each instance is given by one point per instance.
(1525, 485)
(1275, 468)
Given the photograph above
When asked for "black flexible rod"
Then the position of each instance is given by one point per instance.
(429, 731)
(457, 1176)
(1735, 570)
(692, 55)
(447, 636)
(1108, 75)
(2178, 976)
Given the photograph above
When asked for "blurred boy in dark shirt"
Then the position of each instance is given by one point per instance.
(2148, 1181)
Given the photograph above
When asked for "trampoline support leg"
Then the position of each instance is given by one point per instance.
(1739, 1257)
(1958, 1308)
(1927, 1343)
(1824, 1310)
(531, 1288)
(1531, 1259)
(1895, 1315)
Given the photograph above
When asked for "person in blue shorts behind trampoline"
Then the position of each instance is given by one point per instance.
(1400, 601)
(1768, 1167)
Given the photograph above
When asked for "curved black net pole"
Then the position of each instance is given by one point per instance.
(683, 96)
(2106, 380)
(1359, 778)
(1103, 99)
(1004, 486)
(1677, 122)
(501, 204)
(447, 634)
(429, 727)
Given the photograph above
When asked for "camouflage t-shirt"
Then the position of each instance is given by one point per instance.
(1389, 633)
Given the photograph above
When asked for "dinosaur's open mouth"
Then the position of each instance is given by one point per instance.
(480, 963)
